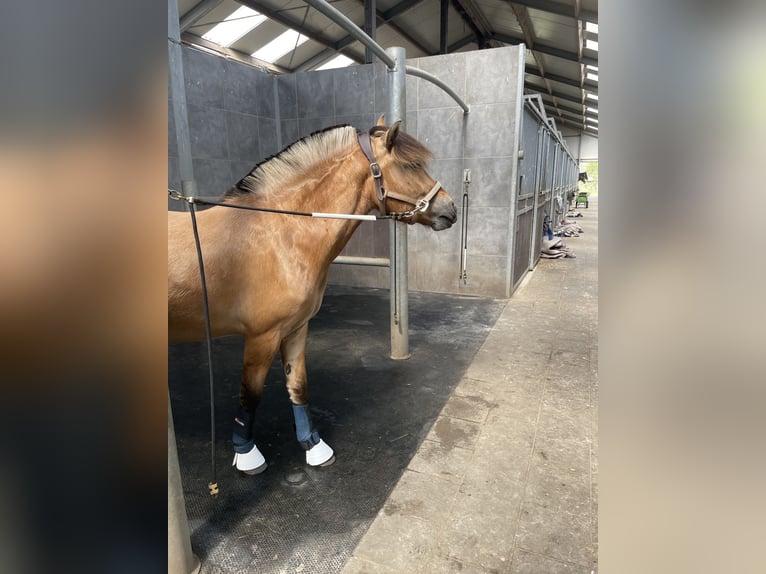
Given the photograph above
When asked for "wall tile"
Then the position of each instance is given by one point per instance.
(213, 176)
(244, 88)
(207, 130)
(288, 96)
(354, 90)
(501, 84)
(204, 75)
(490, 181)
(490, 130)
(441, 131)
(451, 70)
(315, 94)
(244, 139)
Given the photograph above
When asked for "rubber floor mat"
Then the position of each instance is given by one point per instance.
(372, 410)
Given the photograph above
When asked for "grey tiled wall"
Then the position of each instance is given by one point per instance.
(484, 142)
(236, 121)
(231, 110)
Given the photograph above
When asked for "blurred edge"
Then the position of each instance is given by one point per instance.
(83, 147)
(683, 375)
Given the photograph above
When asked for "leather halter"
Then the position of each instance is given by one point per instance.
(420, 206)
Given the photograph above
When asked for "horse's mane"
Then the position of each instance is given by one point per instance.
(308, 151)
(297, 157)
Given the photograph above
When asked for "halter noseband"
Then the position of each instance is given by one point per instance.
(420, 206)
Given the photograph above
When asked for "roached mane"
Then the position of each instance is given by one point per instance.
(307, 152)
(295, 158)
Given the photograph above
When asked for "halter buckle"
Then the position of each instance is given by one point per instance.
(375, 170)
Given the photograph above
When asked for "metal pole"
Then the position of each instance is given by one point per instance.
(181, 559)
(444, 10)
(368, 261)
(178, 95)
(357, 33)
(436, 81)
(400, 341)
(370, 24)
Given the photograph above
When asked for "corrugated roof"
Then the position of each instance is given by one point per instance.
(553, 30)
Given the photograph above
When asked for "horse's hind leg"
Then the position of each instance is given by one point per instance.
(293, 350)
(259, 352)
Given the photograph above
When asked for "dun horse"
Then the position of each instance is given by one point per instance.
(266, 273)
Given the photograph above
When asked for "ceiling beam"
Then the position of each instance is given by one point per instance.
(481, 36)
(578, 113)
(560, 9)
(522, 17)
(400, 9)
(561, 79)
(197, 12)
(460, 43)
(194, 40)
(585, 128)
(316, 36)
(384, 18)
(545, 49)
(443, 15)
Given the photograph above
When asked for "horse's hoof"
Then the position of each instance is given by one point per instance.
(320, 455)
(250, 463)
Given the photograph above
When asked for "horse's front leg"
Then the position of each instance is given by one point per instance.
(293, 350)
(259, 352)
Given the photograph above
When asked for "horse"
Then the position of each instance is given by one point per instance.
(266, 273)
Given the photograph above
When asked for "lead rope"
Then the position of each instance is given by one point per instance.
(213, 486)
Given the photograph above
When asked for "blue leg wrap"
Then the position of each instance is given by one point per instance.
(242, 437)
(304, 429)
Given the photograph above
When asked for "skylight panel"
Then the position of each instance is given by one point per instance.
(591, 27)
(340, 61)
(279, 46)
(593, 77)
(234, 26)
(591, 44)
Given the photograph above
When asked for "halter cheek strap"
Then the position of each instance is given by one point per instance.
(377, 173)
(420, 206)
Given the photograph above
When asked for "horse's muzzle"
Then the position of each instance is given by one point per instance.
(443, 215)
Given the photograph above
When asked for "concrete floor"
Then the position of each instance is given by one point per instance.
(507, 479)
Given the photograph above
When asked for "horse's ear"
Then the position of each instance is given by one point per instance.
(391, 134)
(381, 121)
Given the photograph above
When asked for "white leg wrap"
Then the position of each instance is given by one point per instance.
(320, 455)
(250, 462)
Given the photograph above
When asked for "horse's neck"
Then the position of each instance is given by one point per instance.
(339, 188)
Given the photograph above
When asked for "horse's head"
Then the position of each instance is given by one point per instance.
(402, 160)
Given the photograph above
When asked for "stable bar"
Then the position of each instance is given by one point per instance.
(400, 338)
(417, 72)
(178, 96)
(370, 25)
(368, 261)
(358, 34)
(181, 559)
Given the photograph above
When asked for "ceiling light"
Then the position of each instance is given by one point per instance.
(234, 26)
(279, 46)
(340, 61)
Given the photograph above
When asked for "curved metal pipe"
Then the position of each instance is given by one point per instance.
(355, 31)
(412, 71)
